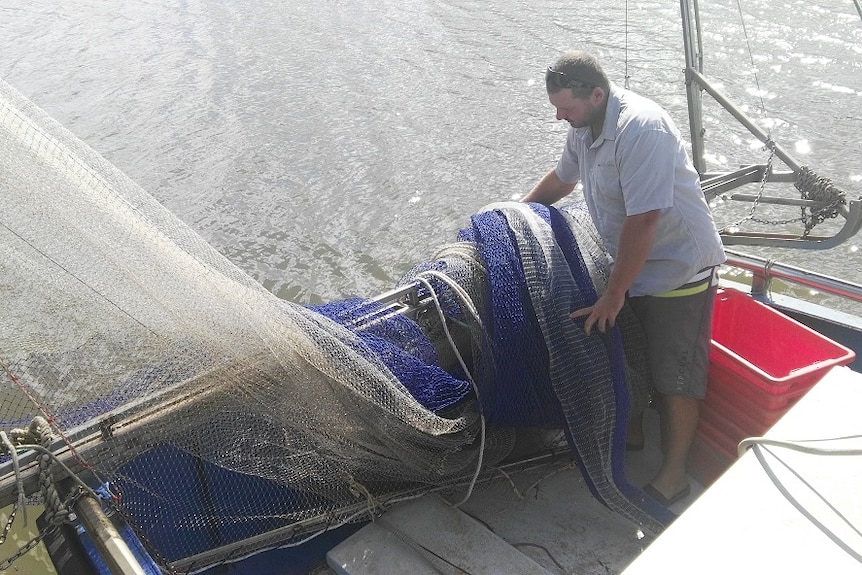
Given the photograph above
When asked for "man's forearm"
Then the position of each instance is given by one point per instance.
(548, 190)
(634, 245)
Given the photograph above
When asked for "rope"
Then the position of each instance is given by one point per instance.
(19, 481)
(813, 187)
(38, 433)
(359, 490)
(758, 447)
(468, 303)
(797, 446)
(45, 420)
(37, 436)
(626, 52)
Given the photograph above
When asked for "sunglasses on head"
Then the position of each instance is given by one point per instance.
(563, 80)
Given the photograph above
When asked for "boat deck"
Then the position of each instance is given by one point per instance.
(546, 521)
(546, 514)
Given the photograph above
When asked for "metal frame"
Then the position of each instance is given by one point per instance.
(714, 184)
(766, 270)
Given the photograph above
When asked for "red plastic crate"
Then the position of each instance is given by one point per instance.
(748, 416)
(752, 398)
(733, 428)
(768, 350)
(722, 443)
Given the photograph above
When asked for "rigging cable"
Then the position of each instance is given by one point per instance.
(751, 59)
(626, 49)
(807, 182)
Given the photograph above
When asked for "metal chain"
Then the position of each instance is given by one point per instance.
(27, 547)
(809, 221)
(800, 219)
(56, 511)
(56, 521)
(8, 525)
(750, 217)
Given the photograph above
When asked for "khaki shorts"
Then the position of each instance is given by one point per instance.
(678, 330)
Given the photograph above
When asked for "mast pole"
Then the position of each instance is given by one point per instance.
(693, 63)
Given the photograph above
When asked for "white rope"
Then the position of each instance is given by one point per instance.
(468, 303)
(759, 448)
(803, 446)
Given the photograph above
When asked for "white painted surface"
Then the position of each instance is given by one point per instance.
(745, 524)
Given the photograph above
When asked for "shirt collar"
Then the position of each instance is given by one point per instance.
(612, 115)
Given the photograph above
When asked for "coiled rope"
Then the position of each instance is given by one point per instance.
(813, 187)
(37, 436)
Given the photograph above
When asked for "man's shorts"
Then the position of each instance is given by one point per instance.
(678, 328)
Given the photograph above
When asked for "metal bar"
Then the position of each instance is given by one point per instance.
(743, 118)
(89, 441)
(719, 187)
(774, 176)
(694, 98)
(792, 274)
(852, 225)
(813, 204)
(397, 294)
(698, 35)
(108, 541)
(714, 184)
(279, 536)
(717, 184)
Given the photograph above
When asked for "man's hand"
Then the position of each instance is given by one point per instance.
(603, 314)
(549, 190)
(635, 242)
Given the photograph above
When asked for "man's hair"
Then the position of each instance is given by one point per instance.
(577, 71)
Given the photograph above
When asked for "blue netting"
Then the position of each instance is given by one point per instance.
(403, 348)
(519, 395)
(585, 374)
(535, 367)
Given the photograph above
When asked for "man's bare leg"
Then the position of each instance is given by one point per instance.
(678, 426)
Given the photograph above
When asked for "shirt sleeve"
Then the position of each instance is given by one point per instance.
(568, 169)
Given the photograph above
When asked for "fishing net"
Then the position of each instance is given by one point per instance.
(211, 408)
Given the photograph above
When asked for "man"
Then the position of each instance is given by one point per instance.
(645, 200)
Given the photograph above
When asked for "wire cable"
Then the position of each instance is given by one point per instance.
(802, 446)
(758, 449)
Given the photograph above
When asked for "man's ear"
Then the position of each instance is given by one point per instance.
(598, 96)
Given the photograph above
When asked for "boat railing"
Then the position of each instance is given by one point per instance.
(765, 270)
